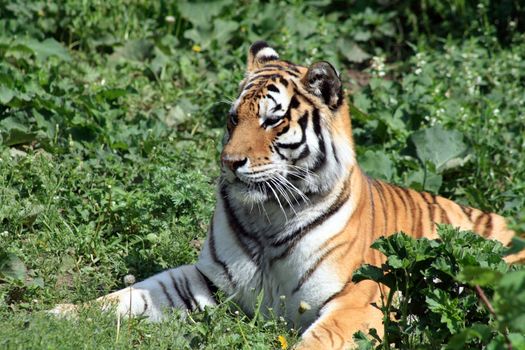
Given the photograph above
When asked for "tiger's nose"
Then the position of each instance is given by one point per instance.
(233, 162)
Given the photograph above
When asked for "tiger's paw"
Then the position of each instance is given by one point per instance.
(64, 310)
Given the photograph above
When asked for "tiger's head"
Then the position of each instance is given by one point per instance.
(288, 132)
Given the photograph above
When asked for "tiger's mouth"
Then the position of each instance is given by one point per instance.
(267, 185)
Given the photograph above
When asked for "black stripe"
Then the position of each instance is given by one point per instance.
(182, 297)
(412, 206)
(336, 294)
(478, 220)
(294, 103)
(280, 154)
(284, 130)
(316, 118)
(303, 123)
(283, 81)
(265, 77)
(444, 219)
(277, 107)
(291, 66)
(320, 160)
(264, 59)
(298, 234)
(275, 67)
(488, 227)
(334, 151)
(314, 267)
(388, 189)
(420, 207)
(187, 288)
(145, 303)
(214, 256)
(246, 87)
(273, 88)
(383, 205)
(372, 203)
(212, 288)
(419, 229)
(399, 193)
(298, 93)
(467, 211)
(430, 207)
(239, 232)
(304, 153)
(165, 291)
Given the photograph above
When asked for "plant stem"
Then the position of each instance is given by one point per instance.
(483, 297)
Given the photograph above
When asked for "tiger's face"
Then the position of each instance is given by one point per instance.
(284, 140)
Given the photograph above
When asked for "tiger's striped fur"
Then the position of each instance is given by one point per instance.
(295, 215)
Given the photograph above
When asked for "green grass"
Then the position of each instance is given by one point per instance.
(111, 119)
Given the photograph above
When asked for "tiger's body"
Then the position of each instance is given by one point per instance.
(295, 215)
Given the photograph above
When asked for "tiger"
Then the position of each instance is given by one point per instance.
(295, 215)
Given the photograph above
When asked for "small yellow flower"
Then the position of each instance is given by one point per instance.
(196, 48)
(284, 343)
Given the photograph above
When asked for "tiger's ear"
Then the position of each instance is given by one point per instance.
(259, 54)
(322, 80)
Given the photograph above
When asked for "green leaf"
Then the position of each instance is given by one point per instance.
(517, 245)
(477, 331)
(15, 133)
(47, 48)
(135, 50)
(443, 148)
(201, 13)
(11, 267)
(6, 94)
(113, 94)
(367, 272)
(481, 276)
(223, 30)
(373, 273)
(377, 164)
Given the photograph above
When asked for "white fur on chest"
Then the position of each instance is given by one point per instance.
(276, 286)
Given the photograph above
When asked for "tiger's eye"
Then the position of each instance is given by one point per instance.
(233, 119)
(271, 121)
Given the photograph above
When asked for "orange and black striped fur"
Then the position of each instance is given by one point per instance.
(295, 215)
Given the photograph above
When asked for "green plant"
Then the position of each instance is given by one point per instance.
(437, 292)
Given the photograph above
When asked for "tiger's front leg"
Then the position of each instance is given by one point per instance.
(183, 288)
(347, 313)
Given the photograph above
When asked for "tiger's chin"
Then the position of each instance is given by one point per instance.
(249, 194)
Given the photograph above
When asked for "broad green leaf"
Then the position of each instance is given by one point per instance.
(15, 133)
(517, 245)
(136, 50)
(443, 148)
(12, 267)
(373, 273)
(6, 94)
(354, 53)
(477, 331)
(223, 30)
(482, 276)
(47, 48)
(201, 13)
(377, 164)
(368, 272)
